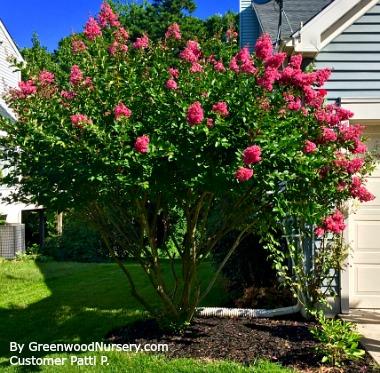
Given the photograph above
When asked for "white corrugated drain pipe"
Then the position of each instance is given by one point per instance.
(247, 312)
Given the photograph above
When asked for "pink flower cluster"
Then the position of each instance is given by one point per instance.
(80, 120)
(332, 115)
(121, 35)
(221, 108)
(107, 17)
(328, 135)
(116, 47)
(293, 103)
(142, 42)
(263, 47)
(68, 95)
(76, 75)
(174, 73)
(333, 223)
(350, 166)
(231, 35)
(275, 61)
(27, 88)
(173, 32)
(92, 29)
(242, 62)
(171, 84)
(195, 113)
(142, 144)
(252, 154)
(192, 52)
(46, 77)
(309, 147)
(358, 190)
(121, 110)
(243, 174)
(78, 46)
(196, 68)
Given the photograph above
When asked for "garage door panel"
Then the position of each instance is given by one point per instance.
(367, 279)
(367, 235)
(364, 236)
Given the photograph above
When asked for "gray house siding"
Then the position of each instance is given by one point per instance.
(354, 57)
(249, 25)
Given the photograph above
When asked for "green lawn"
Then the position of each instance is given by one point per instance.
(79, 303)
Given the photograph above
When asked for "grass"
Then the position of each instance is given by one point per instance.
(62, 302)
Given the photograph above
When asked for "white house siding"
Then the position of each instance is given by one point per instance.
(354, 56)
(8, 77)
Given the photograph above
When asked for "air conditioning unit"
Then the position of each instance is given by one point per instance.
(12, 240)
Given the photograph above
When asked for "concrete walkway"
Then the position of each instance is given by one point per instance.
(368, 322)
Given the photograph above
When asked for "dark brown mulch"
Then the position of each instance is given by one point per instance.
(287, 341)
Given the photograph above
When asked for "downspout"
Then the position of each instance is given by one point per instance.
(251, 313)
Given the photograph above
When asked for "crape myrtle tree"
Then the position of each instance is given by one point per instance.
(168, 148)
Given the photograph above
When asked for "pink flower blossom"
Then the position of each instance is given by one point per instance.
(174, 73)
(328, 135)
(231, 35)
(295, 61)
(319, 231)
(341, 186)
(27, 88)
(334, 223)
(141, 43)
(358, 190)
(243, 174)
(192, 52)
(252, 154)
(263, 47)
(171, 84)
(121, 110)
(121, 35)
(268, 78)
(351, 132)
(309, 147)
(355, 165)
(76, 75)
(218, 66)
(276, 60)
(92, 29)
(78, 46)
(234, 65)
(173, 32)
(265, 104)
(196, 68)
(221, 108)
(68, 95)
(46, 77)
(321, 76)
(210, 122)
(142, 144)
(195, 113)
(107, 16)
(115, 47)
(360, 147)
(80, 120)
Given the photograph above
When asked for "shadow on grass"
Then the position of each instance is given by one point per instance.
(78, 303)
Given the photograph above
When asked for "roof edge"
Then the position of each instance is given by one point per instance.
(11, 41)
(327, 25)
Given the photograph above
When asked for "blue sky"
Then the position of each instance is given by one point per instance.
(54, 19)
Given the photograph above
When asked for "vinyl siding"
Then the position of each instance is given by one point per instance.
(249, 25)
(354, 57)
(8, 77)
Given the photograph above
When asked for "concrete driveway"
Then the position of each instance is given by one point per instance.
(368, 322)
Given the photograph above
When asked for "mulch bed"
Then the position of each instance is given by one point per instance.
(284, 340)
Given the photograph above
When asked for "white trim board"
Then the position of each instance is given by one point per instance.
(327, 25)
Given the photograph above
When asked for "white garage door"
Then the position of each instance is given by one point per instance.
(364, 235)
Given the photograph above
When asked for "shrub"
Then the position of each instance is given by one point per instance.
(338, 340)
(203, 140)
